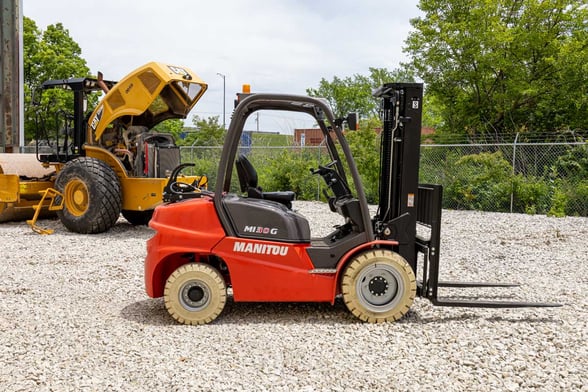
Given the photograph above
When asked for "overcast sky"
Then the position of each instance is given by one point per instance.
(281, 46)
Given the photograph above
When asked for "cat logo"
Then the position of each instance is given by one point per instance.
(97, 118)
(178, 70)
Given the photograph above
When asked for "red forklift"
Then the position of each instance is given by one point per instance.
(252, 242)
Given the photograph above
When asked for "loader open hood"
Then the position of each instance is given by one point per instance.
(147, 96)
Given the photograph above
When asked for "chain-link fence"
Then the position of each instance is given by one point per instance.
(546, 178)
(278, 168)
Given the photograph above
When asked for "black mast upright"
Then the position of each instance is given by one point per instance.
(401, 109)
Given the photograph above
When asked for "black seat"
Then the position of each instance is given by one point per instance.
(248, 182)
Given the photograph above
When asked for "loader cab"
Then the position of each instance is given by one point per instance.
(66, 143)
(247, 210)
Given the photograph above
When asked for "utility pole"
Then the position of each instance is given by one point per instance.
(11, 77)
(224, 99)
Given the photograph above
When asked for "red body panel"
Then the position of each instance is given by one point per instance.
(273, 271)
(260, 271)
(191, 226)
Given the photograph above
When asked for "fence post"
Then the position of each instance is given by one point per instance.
(192, 159)
(514, 156)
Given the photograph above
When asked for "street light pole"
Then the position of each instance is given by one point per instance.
(224, 99)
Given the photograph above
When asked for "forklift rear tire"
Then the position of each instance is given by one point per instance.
(378, 286)
(195, 294)
(92, 196)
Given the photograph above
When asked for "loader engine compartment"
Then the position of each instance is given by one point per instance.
(142, 152)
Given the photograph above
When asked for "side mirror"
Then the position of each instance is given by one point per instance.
(353, 121)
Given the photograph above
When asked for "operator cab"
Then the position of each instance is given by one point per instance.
(247, 210)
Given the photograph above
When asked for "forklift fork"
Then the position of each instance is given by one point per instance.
(429, 215)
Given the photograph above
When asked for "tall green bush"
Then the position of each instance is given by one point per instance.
(481, 182)
(570, 198)
(531, 195)
(569, 176)
(290, 170)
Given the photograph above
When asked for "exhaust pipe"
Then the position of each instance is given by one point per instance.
(101, 83)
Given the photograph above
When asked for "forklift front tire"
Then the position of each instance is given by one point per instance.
(378, 286)
(195, 294)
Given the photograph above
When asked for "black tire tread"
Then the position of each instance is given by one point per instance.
(105, 199)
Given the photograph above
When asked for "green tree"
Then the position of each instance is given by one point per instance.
(49, 54)
(365, 147)
(354, 93)
(175, 126)
(494, 68)
(206, 132)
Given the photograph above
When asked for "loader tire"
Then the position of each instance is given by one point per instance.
(195, 293)
(92, 196)
(378, 286)
(138, 218)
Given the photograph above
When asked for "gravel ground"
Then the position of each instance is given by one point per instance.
(74, 317)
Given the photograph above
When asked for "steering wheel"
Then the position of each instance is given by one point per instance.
(176, 190)
(322, 170)
(334, 182)
(333, 179)
(181, 187)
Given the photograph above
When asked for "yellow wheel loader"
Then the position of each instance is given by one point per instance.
(109, 162)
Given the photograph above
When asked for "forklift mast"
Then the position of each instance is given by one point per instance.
(404, 203)
(401, 111)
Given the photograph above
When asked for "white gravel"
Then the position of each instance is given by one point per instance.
(74, 317)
